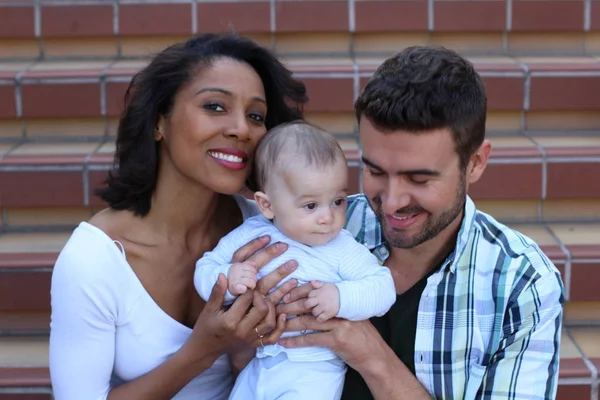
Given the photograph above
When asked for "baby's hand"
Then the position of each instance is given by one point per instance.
(241, 277)
(325, 302)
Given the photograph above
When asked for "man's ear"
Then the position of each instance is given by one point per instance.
(478, 162)
(264, 204)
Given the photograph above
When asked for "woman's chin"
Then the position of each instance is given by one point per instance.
(232, 188)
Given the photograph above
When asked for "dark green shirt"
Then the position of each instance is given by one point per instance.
(398, 328)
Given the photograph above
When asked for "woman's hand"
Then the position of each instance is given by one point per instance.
(251, 320)
(217, 329)
(255, 251)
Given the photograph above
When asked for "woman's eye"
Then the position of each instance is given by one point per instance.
(310, 206)
(214, 107)
(375, 173)
(257, 118)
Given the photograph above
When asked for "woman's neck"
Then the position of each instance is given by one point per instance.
(181, 209)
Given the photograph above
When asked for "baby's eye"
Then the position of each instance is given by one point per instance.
(338, 202)
(310, 206)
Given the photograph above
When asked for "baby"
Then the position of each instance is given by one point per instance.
(302, 173)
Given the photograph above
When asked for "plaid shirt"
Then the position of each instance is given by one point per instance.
(489, 320)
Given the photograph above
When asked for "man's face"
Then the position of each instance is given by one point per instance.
(413, 182)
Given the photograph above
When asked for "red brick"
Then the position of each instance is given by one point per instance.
(504, 93)
(24, 376)
(329, 94)
(565, 93)
(509, 181)
(573, 180)
(585, 251)
(309, 15)
(573, 368)
(573, 392)
(243, 17)
(59, 188)
(553, 15)
(115, 98)
(61, 100)
(155, 19)
(77, 20)
(353, 179)
(7, 102)
(28, 396)
(16, 22)
(595, 16)
(472, 15)
(48, 159)
(584, 281)
(24, 291)
(390, 16)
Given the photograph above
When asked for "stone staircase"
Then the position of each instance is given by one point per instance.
(64, 66)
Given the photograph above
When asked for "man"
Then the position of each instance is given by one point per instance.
(479, 306)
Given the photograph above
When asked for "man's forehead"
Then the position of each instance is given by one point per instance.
(401, 150)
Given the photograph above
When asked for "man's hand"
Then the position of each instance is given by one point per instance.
(241, 277)
(357, 342)
(360, 345)
(324, 302)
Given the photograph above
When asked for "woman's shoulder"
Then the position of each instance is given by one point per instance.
(90, 255)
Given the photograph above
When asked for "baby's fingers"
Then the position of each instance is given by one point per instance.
(310, 303)
(239, 289)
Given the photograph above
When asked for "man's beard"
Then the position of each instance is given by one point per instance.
(433, 225)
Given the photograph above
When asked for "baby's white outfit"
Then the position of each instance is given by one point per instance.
(366, 289)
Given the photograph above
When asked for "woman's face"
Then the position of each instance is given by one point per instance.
(215, 124)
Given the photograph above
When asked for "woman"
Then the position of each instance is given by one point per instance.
(126, 320)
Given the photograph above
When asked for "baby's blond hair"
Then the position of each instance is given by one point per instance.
(287, 144)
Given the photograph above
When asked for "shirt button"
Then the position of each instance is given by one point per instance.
(384, 252)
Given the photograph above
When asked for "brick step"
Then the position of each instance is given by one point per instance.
(83, 99)
(525, 168)
(27, 258)
(24, 323)
(110, 29)
(24, 371)
(43, 219)
(577, 314)
(24, 365)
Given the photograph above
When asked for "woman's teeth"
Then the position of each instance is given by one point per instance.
(226, 157)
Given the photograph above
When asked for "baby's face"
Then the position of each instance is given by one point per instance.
(309, 203)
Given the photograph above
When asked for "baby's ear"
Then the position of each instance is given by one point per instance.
(264, 204)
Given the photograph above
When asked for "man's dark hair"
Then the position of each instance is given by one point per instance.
(423, 88)
(151, 93)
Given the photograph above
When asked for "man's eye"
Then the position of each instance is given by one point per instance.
(419, 181)
(375, 172)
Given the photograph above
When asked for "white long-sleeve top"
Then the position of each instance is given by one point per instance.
(366, 288)
(106, 329)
